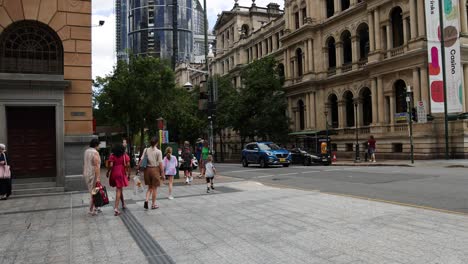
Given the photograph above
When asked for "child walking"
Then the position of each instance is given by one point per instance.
(170, 164)
(210, 172)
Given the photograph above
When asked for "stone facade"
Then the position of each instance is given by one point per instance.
(69, 91)
(341, 56)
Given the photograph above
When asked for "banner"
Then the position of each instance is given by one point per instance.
(451, 16)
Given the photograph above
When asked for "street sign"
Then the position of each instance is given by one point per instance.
(422, 113)
(401, 116)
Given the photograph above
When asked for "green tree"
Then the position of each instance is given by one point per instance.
(136, 94)
(261, 104)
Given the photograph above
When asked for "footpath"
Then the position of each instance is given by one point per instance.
(240, 222)
(452, 163)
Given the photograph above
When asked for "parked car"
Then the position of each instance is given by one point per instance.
(300, 156)
(265, 154)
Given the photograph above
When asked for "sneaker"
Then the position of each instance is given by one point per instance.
(170, 197)
(374, 161)
(99, 210)
(207, 190)
(212, 187)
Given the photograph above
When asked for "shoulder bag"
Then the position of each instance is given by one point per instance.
(6, 169)
(144, 161)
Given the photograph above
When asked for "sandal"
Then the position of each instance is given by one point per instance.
(154, 206)
(92, 213)
(116, 212)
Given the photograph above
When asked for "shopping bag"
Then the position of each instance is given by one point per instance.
(100, 197)
(137, 185)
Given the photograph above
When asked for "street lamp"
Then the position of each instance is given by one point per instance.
(410, 120)
(356, 102)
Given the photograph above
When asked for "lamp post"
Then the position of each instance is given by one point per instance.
(357, 157)
(410, 120)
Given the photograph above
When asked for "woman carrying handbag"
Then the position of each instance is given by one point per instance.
(5, 174)
(118, 174)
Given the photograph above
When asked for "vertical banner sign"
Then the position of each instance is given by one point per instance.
(451, 16)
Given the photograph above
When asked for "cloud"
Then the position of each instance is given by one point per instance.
(104, 37)
(103, 45)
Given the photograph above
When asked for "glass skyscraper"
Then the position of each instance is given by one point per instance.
(145, 27)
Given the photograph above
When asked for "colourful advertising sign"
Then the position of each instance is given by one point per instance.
(453, 67)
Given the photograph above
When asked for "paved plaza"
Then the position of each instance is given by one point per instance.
(241, 222)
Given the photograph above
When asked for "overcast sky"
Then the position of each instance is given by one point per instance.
(104, 37)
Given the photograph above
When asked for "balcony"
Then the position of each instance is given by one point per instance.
(347, 67)
(331, 72)
(362, 63)
(397, 51)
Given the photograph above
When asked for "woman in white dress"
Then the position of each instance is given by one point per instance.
(92, 170)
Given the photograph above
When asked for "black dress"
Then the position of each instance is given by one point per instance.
(5, 184)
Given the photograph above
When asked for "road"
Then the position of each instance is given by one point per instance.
(434, 187)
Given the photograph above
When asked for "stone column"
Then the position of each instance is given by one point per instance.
(325, 59)
(290, 112)
(389, 39)
(313, 119)
(405, 34)
(380, 100)
(416, 86)
(392, 108)
(355, 49)
(463, 18)
(341, 113)
(378, 36)
(297, 120)
(465, 83)
(375, 118)
(337, 6)
(425, 88)
(413, 19)
(311, 55)
(339, 55)
(370, 22)
(421, 18)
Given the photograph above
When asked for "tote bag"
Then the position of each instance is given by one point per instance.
(5, 172)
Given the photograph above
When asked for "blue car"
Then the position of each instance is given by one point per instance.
(265, 153)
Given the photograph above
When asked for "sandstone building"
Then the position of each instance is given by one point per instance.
(45, 87)
(347, 63)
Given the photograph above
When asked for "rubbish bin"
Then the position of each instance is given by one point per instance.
(175, 153)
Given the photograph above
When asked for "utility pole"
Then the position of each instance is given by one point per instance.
(410, 120)
(442, 51)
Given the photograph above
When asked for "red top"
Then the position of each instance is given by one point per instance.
(371, 143)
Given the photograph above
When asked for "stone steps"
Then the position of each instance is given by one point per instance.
(33, 186)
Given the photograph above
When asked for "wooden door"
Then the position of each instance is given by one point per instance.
(31, 141)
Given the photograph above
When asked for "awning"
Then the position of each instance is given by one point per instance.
(300, 133)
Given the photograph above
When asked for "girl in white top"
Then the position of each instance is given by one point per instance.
(210, 172)
(170, 168)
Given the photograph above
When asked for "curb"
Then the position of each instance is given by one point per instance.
(456, 166)
(373, 165)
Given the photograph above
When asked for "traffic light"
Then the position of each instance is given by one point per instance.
(414, 114)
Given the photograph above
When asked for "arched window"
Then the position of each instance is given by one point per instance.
(400, 96)
(330, 8)
(344, 5)
(363, 34)
(347, 48)
(301, 109)
(366, 106)
(333, 101)
(348, 97)
(244, 31)
(280, 70)
(300, 63)
(30, 47)
(397, 27)
(331, 52)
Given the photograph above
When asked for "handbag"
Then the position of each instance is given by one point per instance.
(100, 197)
(144, 161)
(6, 174)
